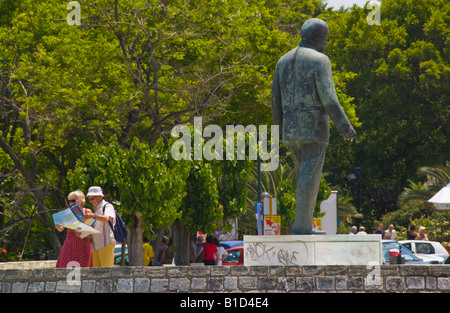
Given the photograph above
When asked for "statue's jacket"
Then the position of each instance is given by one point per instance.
(304, 97)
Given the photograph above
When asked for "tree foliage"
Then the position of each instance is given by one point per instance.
(399, 80)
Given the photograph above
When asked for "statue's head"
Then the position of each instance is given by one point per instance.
(314, 32)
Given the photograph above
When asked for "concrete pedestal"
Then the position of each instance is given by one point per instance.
(312, 250)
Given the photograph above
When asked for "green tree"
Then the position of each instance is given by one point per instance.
(216, 192)
(53, 105)
(400, 85)
(418, 193)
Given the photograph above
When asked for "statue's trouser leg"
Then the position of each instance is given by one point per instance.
(308, 157)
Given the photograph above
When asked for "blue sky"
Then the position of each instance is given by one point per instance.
(346, 3)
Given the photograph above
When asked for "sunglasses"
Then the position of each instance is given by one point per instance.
(72, 201)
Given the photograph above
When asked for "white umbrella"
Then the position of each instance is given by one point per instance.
(442, 198)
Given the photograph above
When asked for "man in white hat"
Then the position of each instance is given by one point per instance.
(103, 244)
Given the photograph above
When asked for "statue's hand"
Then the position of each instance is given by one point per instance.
(350, 134)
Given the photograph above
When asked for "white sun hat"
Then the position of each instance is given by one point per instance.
(95, 191)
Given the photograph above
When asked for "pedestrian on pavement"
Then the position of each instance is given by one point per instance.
(149, 255)
(379, 230)
(422, 233)
(162, 251)
(390, 233)
(211, 255)
(362, 231)
(222, 252)
(412, 234)
(103, 244)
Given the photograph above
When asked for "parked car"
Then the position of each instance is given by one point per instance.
(410, 258)
(235, 256)
(118, 254)
(426, 248)
(232, 244)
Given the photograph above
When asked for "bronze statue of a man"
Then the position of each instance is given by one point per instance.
(303, 100)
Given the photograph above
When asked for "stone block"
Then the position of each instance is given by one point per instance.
(355, 283)
(121, 271)
(125, 285)
(50, 286)
(215, 284)
(198, 283)
(414, 282)
(199, 271)
(139, 271)
(99, 272)
(177, 271)
(88, 286)
(12, 274)
(239, 270)
(305, 283)
(341, 282)
(141, 285)
(439, 270)
(336, 269)
(325, 283)
(156, 271)
(37, 286)
(104, 286)
(431, 283)
(179, 284)
(159, 285)
(443, 283)
(19, 287)
(230, 283)
(286, 284)
(267, 283)
(248, 283)
(414, 270)
(395, 284)
(219, 270)
(63, 287)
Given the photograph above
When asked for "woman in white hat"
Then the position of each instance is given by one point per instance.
(103, 244)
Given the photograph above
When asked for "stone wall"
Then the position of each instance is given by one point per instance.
(228, 279)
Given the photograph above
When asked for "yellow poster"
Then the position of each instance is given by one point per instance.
(317, 223)
(272, 225)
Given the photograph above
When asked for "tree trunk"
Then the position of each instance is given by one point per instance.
(157, 242)
(135, 242)
(181, 240)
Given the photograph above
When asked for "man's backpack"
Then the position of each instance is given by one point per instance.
(120, 230)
